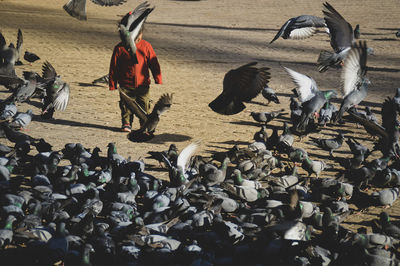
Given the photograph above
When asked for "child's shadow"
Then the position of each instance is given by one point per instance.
(138, 136)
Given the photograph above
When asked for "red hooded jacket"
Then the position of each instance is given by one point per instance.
(127, 74)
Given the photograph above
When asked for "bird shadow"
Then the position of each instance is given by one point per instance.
(73, 123)
(388, 29)
(159, 139)
(234, 142)
(382, 69)
(259, 103)
(385, 39)
(84, 84)
(246, 123)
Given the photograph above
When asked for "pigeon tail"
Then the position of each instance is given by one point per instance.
(226, 105)
(324, 60)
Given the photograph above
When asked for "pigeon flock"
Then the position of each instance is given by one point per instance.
(246, 206)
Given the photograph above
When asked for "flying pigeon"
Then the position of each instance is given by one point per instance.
(77, 8)
(57, 91)
(300, 27)
(342, 38)
(150, 121)
(240, 85)
(131, 25)
(310, 96)
(355, 84)
(9, 55)
(30, 57)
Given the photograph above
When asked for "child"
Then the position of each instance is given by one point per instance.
(134, 79)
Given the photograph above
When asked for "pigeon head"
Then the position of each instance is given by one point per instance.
(384, 218)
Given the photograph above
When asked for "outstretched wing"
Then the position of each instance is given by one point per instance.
(355, 68)
(163, 104)
(133, 106)
(306, 87)
(48, 71)
(62, 97)
(185, 155)
(246, 82)
(2, 40)
(340, 30)
(76, 9)
(371, 127)
(20, 41)
(108, 2)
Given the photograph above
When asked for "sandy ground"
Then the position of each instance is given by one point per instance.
(197, 42)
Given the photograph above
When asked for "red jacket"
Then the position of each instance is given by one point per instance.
(127, 74)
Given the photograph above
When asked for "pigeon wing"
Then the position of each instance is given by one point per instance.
(306, 86)
(370, 126)
(48, 71)
(302, 33)
(62, 96)
(2, 40)
(185, 155)
(355, 68)
(8, 80)
(108, 2)
(340, 30)
(133, 106)
(76, 9)
(20, 41)
(246, 82)
(163, 104)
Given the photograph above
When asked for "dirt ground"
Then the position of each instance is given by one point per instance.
(196, 42)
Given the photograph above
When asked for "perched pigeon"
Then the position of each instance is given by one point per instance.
(240, 85)
(131, 25)
(355, 84)
(265, 117)
(22, 120)
(300, 27)
(269, 94)
(329, 144)
(77, 8)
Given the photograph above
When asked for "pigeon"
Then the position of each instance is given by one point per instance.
(22, 120)
(240, 85)
(10, 55)
(398, 34)
(341, 33)
(213, 175)
(386, 197)
(131, 25)
(270, 95)
(57, 92)
(30, 57)
(266, 117)
(150, 121)
(310, 96)
(77, 8)
(6, 234)
(355, 84)
(387, 227)
(8, 111)
(25, 88)
(300, 27)
(313, 167)
(329, 144)
(327, 113)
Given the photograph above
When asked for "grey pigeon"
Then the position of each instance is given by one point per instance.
(300, 27)
(57, 92)
(6, 234)
(213, 175)
(386, 197)
(310, 96)
(240, 85)
(8, 111)
(270, 95)
(26, 89)
(130, 26)
(330, 144)
(10, 55)
(355, 84)
(387, 227)
(266, 117)
(327, 113)
(341, 33)
(22, 120)
(313, 166)
(77, 8)
(398, 34)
